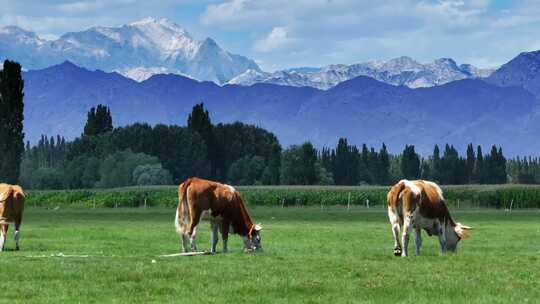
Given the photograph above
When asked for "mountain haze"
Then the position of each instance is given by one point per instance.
(361, 109)
(522, 71)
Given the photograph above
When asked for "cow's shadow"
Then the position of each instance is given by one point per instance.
(10, 250)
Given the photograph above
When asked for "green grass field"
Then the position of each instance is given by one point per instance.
(310, 256)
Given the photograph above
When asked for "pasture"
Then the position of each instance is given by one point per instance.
(310, 256)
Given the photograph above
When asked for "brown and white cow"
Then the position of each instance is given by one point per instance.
(420, 205)
(11, 210)
(227, 210)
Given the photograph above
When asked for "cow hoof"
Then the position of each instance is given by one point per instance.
(397, 252)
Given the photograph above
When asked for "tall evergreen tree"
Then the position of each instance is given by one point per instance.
(451, 171)
(11, 121)
(471, 160)
(478, 173)
(99, 120)
(199, 121)
(384, 166)
(491, 165)
(436, 164)
(341, 162)
(364, 172)
(410, 163)
(501, 167)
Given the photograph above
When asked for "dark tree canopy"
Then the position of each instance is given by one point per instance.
(410, 163)
(99, 121)
(141, 154)
(11, 121)
(199, 121)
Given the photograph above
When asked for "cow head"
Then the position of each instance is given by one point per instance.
(454, 234)
(253, 241)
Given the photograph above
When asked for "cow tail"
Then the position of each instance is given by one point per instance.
(6, 194)
(182, 203)
(19, 194)
(393, 195)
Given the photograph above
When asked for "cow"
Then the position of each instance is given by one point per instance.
(11, 210)
(227, 210)
(420, 205)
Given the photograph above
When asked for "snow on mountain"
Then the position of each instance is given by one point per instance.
(139, 49)
(141, 74)
(398, 71)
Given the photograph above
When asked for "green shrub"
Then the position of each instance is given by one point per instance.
(493, 196)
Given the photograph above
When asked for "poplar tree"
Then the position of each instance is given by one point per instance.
(199, 121)
(410, 163)
(11, 121)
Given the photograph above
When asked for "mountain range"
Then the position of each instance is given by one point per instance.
(153, 71)
(159, 46)
(399, 71)
(362, 109)
(138, 50)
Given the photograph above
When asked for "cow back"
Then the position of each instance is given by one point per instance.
(11, 202)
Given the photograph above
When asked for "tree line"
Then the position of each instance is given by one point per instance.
(140, 154)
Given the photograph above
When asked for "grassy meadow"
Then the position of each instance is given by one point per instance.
(310, 256)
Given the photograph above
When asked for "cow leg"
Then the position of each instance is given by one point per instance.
(407, 227)
(184, 237)
(225, 226)
(3, 234)
(418, 240)
(442, 236)
(394, 221)
(17, 236)
(196, 217)
(185, 242)
(214, 225)
(193, 239)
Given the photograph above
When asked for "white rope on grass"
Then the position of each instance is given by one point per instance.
(58, 255)
(185, 254)
(62, 255)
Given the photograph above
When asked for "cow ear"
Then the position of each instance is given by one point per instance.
(258, 227)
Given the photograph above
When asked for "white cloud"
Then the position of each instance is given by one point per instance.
(348, 31)
(278, 38)
(286, 33)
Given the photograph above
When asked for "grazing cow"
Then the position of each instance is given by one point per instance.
(11, 210)
(227, 209)
(420, 205)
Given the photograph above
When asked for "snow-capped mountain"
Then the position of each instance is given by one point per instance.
(139, 50)
(398, 71)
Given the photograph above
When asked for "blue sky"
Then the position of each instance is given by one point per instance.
(287, 33)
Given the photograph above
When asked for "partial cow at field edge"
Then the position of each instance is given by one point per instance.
(11, 211)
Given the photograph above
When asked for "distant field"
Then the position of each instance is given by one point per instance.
(310, 256)
(469, 196)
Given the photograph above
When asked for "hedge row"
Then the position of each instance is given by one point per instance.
(499, 196)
